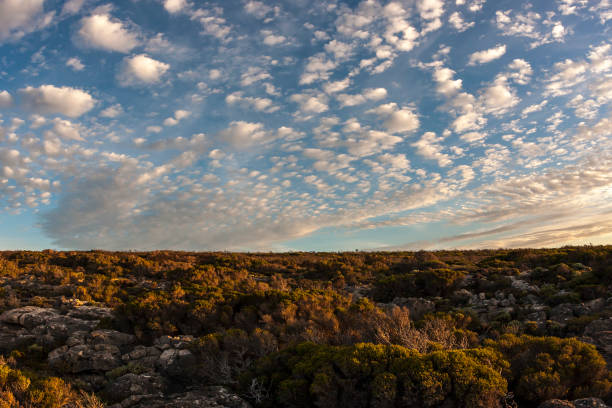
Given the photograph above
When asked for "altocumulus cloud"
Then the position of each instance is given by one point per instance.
(49, 99)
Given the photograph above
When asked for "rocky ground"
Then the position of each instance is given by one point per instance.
(78, 340)
(109, 362)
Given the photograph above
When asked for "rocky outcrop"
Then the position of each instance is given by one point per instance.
(44, 326)
(417, 307)
(111, 362)
(207, 397)
(579, 403)
(97, 351)
(599, 333)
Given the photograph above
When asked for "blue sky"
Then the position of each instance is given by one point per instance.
(305, 125)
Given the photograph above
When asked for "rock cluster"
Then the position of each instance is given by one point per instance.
(111, 362)
(579, 403)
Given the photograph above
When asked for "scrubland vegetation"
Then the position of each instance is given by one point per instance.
(501, 328)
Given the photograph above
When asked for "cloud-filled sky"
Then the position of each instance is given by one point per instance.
(305, 124)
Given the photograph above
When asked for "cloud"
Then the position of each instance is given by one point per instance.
(49, 99)
(112, 111)
(429, 147)
(318, 68)
(178, 116)
(498, 98)
(272, 39)
(174, 6)
(65, 130)
(6, 100)
(403, 120)
(21, 17)
(252, 75)
(372, 94)
(213, 23)
(456, 20)
(103, 32)
(75, 64)
(241, 134)
(259, 104)
(72, 6)
(141, 70)
(257, 8)
(310, 103)
(482, 57)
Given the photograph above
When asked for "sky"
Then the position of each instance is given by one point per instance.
(330, 125)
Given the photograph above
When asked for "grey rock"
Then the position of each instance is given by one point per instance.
(135, 384)
(599, 333)
(523, 285)
(562, 313)
(12, 338)
(589, 403)
(556, 403)
(207, 397)
(85, 358)
(28, 316)
(177, 363)
(91, 313)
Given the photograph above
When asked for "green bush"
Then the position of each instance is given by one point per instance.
(368, 375)
(433, 282)
(542, 368)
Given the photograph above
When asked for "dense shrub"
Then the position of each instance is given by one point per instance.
(368, 375)
(542, 368)
(433, 282)
(18, 390)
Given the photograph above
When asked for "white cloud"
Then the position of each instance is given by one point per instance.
(498, 98)
(336, 86)
(257, 8)
(259, 104)
(241, 134)
(272, 39)
(310, 103)
(214, 74)
(372, 94)
(75, 64)
(473, 137)
(49, 99)
(72, 6)
(65, 129)
(375, 94)
(534, 108)
(103, 32)
(431, 10)
(524, 25)
(482, 57)
(174, 6)
(456, 20)
(318, 68)
(371, 142)
(112, 111)
(403, 120)
(252, 75)
(20, 17)
(6, 100)
(154, 129)
(141, 69)
(178, 116)
(429, 147)
(213, 23)
(520, 71)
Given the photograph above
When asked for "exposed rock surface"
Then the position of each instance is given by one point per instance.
(130, 374)
(579, 403)
(207, 397)
(599, 333)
